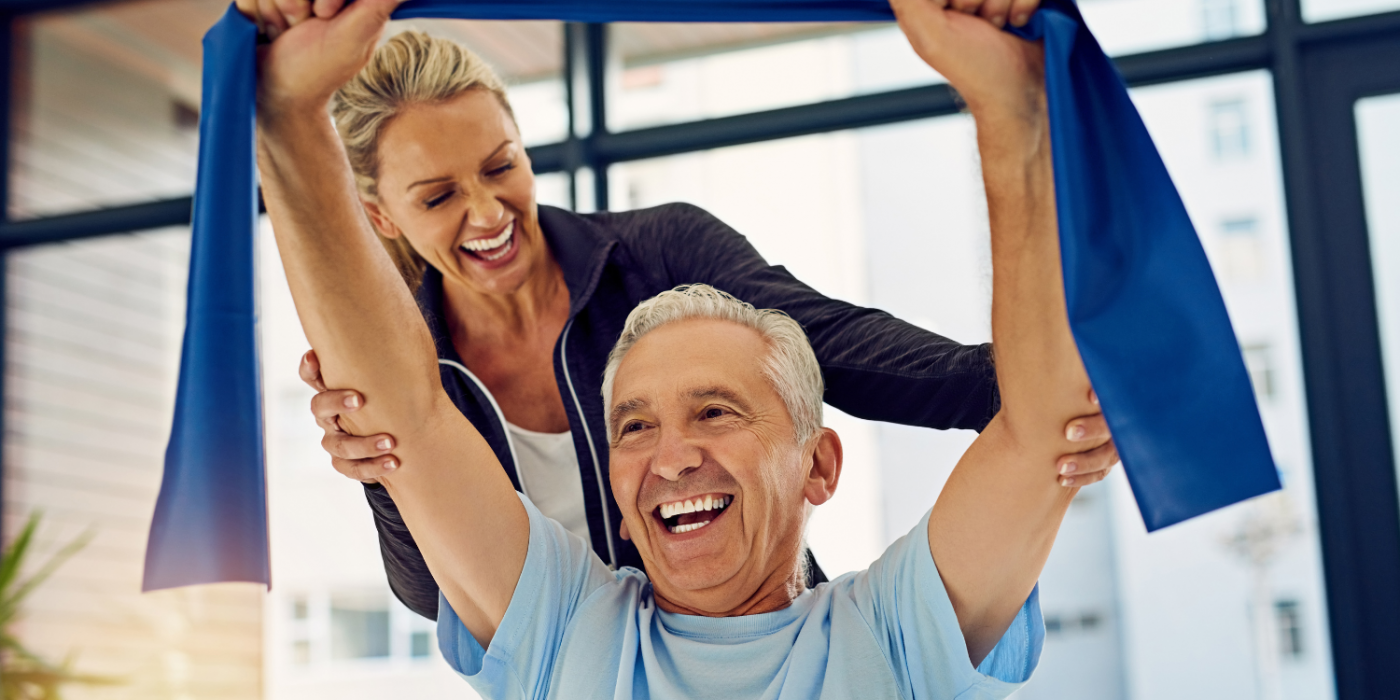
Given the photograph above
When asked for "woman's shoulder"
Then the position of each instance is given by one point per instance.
(674, 218)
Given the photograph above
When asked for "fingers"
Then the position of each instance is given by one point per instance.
(270, 19)
(1021, 11)
(964, 6)
(365, 470)
(326, 9)
(1090, 430)
(294, 11)
(328, 406)
(355, 448)
(995, 11)
(310, 371)
(1087, 468)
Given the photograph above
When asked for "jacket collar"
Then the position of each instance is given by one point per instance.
(580, 246)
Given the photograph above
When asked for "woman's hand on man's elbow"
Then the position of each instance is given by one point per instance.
(360, 458)
(1099, 456)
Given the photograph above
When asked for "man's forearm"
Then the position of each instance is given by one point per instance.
(1043, 383)
(996, 520)
(368, 333)
(353, 306)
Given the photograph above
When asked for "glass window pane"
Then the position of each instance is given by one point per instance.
(894, 217)
(93, 331)
(106, 105)
(106, 108)
(359, 627)
(671, 73)
(1134, 26)
(668, 73)
(1379, 145)
(1323, 10)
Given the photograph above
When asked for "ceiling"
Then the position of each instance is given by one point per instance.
(161, 38)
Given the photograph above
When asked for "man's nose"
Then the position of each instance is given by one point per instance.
(676, 454)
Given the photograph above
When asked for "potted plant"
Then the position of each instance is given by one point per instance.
(24, 675)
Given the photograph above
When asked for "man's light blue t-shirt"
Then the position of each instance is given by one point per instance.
(574, 629)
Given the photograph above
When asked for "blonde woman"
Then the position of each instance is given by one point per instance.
(525, 301)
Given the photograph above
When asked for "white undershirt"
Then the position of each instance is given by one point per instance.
(548, 467)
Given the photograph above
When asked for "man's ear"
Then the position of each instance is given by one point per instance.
(826, 468)
(381, 220)
(622, 530)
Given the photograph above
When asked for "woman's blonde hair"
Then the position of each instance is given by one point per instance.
(411, 68)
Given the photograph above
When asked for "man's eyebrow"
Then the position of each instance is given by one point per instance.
(623, 409)
(719, 392)
(434, 180)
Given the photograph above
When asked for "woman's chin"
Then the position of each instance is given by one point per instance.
(493, 279)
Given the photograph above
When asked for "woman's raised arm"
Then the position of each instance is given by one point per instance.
(366, 328)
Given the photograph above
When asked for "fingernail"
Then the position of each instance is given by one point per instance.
(1094, 397)
(1021, 19)
(1075, 432)
(1067, 482)
(352, 401)
(384, 444)
(390, 465)
(999, 20)
(1068, 468)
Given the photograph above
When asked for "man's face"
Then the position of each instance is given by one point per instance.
(694, 419)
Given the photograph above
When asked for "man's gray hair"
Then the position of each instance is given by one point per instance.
(791, 365)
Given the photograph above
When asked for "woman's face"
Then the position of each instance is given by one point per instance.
(455, 181)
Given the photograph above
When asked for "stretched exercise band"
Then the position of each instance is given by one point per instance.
(1143, 305)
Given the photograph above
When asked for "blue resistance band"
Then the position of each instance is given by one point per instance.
(1143, 304)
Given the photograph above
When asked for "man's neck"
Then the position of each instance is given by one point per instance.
(777, 592)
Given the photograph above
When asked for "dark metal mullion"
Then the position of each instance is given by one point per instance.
(1317, 71)
(7, 67)
(596, 52)
(588, 146)
(566, 155)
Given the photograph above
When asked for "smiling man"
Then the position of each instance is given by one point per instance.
(717, 449)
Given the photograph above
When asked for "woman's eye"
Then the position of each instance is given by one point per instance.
(497, 172)
(434, 202)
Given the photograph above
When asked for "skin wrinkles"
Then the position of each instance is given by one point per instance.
(682, 434)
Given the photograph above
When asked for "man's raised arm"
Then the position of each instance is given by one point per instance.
(995, 521)
(366, 328)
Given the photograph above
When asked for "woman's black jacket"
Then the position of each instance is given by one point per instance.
(875, 366)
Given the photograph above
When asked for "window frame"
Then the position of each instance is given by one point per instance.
(1319, 70)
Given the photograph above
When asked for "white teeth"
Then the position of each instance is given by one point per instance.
(689, 528)
(671, 510)
(481, 245)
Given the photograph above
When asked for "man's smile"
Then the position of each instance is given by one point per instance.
(690, 514)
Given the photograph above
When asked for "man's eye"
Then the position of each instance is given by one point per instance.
(631, 427)
(714, 412)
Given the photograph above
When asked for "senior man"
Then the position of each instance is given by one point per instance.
(717, 448)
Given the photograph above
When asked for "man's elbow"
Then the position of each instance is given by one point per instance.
(1040, 422)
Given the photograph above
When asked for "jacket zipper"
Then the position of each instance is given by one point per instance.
(501, 416)
(587, 436)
